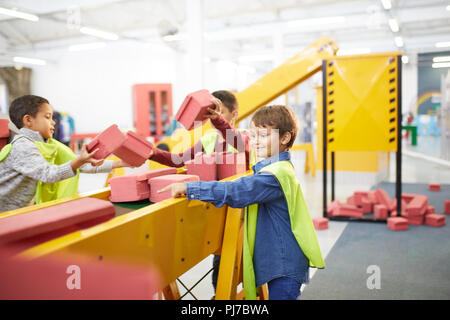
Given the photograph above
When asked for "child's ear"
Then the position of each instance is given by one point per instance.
(286, 138)
(27, 120)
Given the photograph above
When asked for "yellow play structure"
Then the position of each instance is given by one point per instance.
(176, 234)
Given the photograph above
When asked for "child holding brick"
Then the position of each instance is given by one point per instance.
(280, 243)
(33, 162)
(230, 138)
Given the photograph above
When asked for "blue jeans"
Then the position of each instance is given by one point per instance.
(284, 288)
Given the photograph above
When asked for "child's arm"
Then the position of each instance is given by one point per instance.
(243, 192)
(107, 166)
(176, 160)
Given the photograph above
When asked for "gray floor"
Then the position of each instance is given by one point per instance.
(415, 170)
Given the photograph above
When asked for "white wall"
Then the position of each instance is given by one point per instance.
(95, 86)
(410, 84)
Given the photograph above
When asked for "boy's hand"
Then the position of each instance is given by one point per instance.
(85, 157)
(215, 113)
(177, 190)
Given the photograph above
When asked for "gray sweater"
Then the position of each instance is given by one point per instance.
(25, 166)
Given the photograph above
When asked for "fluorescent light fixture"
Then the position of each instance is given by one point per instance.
(443, 44)
(405, 59)
(87, 46)
(173, 37)
(344, 52)
(315, 21)
(447, 8)
(398, 42)
(393, 24)
(441, 59)
(19, 14)
(441, 65)
(386, 4)
(99, 33)
(25, 60)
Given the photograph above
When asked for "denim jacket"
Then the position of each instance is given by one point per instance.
(277, 253)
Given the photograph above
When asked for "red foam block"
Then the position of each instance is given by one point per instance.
(384, 199)
(74, 278)
(380, 211)
(417, 206)
(230, 164)
(320, 223)
(134, 187)
(332, 206)
(204, 166)
(415, 220)
(394, 211)
(348, 210)
(47, 223)
(447, 206)
(435, 220)
(194, 108)
(4, 129)
(434, 187)
(430, 210)
(397, 223)
(135, 150)
(159, 183)
(3, 142)
(107, 142)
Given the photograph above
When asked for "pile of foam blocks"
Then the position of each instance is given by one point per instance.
(135, 150)
(415, 209)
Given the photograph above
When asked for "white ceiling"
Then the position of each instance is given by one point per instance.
(233, 28)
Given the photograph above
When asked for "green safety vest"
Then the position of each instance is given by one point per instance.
(301, 225)
(55, 153)
(209, 144)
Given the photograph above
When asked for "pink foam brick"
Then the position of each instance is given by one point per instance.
(447, 206)
(434, 187)
(3, 142)
(384, 199)
(397, 223)
(135, 150)
(204, 166)
(348, 210)
(380, 211)
(107, 141)
(332, 206)
(230, 164)
(135, 187)
(430, 210)
(4, 129)
(194, 108)
(417, 206)
(159, 183)
(320, 223)
(435, 220)
(48, 223)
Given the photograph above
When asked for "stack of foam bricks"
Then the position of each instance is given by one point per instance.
(4, 132)
(415, 208)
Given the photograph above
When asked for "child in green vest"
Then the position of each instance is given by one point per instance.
(280, 243)
(33, 164)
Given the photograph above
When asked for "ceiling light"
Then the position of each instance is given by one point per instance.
(256, 58)
(343, 52)
(405, 59)
(87, 46)
(441, 59)
(38, 62)
(442, 44)
(99, 33)
(393, 24)
(447, 8)
(386, 4)
(173, 37)
(19, 14)
(441, 65)
(398, 41)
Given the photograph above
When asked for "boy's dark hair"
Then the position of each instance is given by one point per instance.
(279, 117)
(227, 98)
(24, 105)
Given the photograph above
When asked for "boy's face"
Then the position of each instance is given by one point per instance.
(42, 122)
(227, 115)
(266, 141)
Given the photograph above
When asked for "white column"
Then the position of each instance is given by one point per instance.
(410, 84)
(195, 44)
